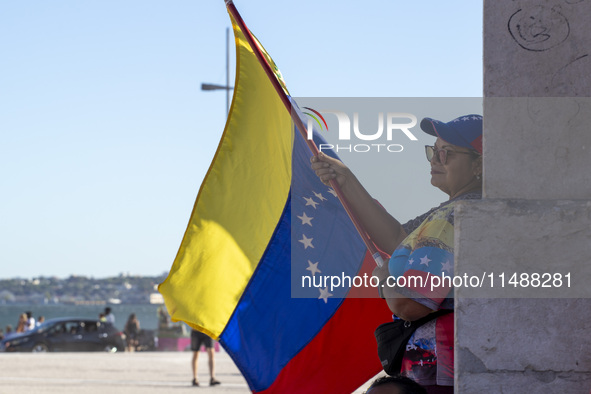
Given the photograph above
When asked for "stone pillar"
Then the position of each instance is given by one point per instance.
(536, 213)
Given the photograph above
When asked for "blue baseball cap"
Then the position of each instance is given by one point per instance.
(465, 131)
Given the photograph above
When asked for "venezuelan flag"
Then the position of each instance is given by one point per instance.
(261, 221)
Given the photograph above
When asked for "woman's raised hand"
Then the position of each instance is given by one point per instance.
(327, 169)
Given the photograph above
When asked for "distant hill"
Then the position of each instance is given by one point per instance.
(125, 289)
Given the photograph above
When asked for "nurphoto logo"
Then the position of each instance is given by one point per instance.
(395, 123)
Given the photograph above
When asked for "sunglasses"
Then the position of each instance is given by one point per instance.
(442, 154)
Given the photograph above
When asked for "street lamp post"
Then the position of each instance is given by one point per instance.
(227, 87)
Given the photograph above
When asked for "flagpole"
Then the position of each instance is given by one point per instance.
(300, 126)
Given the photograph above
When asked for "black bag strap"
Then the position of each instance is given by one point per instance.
(392, 338)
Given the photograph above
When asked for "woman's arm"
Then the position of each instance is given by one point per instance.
(385, 231)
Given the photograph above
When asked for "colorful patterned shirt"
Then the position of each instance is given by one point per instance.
(428, 251)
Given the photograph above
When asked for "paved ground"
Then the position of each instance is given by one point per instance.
(142, 372)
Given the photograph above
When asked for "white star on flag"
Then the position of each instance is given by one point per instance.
(313, 268)
(425, 260)
(307, 242)
(319, 196)
(446, 266)
(411, 261)
(310, 201)
(305, 219)
(466, 118)
(475, 118)
(324, 294)
(331, 191)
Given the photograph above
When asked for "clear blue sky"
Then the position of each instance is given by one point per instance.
(106, 135)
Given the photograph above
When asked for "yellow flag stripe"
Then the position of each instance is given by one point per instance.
(239, 203)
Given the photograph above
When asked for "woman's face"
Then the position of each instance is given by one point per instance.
(458, 174)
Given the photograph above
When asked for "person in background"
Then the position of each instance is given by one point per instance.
(102, 318)
(21, 326)
(162, 318)
(30, 321)
(40, 320)
(198, 339)
(8, 332)
(109, 316)
(132, 330)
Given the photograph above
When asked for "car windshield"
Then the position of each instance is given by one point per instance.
(42, 327)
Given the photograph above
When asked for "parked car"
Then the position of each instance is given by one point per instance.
(147, 340)
(68, 335)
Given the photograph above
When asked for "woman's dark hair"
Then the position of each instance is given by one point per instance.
(406, 385)
(474, 154)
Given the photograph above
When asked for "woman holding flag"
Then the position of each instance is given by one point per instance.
(423, 246)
